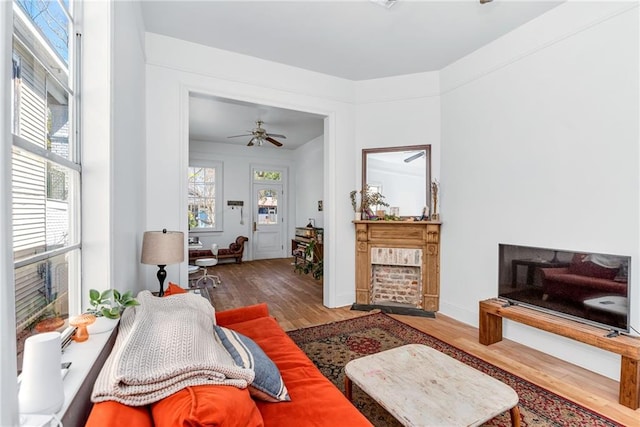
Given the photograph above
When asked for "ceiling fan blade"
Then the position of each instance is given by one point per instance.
(235, 136)
(414, 157)
(277, 135)
(274, 142)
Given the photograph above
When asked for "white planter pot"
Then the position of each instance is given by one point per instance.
(357, 216)
(102, 324)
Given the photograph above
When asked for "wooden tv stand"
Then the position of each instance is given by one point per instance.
(493, 310)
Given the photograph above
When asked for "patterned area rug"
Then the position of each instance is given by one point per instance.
(331, 346)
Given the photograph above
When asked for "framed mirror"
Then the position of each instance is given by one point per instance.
(402, 175)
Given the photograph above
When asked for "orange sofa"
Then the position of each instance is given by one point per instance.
(315, 401)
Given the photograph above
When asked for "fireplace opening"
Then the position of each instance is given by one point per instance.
(396, 281)
(398, 285)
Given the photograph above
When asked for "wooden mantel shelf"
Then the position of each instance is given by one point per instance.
(492, 312)
(399, 222)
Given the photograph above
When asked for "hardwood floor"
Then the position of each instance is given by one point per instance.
(296, 301)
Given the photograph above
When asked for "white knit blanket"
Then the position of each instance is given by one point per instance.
(163, 346)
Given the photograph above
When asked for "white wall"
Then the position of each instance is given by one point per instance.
(397, 111)
(540, 148)
(97, 159)
(113, 187)
(174, 68)
(128, 152)
(308, 177)
(237, 162)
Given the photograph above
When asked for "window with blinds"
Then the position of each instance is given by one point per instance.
(45, 165)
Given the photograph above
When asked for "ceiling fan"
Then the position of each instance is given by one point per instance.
(259, 135)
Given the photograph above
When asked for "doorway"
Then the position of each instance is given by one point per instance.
(269, 205)
(212, 118)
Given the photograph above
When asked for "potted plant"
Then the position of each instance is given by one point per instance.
(357, 209)
(377, 199)
(310, 263)
(107, 306)
(368, 199)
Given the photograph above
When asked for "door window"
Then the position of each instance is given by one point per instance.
(268, 206)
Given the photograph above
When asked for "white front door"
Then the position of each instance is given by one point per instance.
(268, 202)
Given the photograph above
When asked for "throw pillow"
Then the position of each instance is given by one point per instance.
(174, 289)
(206, 405)
(267, 384)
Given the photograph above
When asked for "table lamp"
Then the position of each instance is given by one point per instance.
(162, 248)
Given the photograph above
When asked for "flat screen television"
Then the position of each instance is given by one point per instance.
(588, 287)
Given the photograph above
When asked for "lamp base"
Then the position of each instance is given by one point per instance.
(162, 275)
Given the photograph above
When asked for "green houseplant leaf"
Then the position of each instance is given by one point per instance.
(110, 303)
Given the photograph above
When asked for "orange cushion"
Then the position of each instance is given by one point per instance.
(235, 315)
(109, 414)
(174, 289)
(207, 405)
(311, 392)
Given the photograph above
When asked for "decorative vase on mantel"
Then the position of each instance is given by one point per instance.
(357, 216)
(435, 189)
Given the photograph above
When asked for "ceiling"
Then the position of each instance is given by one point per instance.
(215, 119)
(351, 39)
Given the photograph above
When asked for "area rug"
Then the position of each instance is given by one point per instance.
(331, 346)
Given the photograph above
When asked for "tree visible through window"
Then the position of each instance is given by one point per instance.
(202, 197)
(263, 175)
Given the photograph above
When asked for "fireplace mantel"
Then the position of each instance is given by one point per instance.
(423, 235)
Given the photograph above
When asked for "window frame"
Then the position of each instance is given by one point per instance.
(218, 210)
(41, 53)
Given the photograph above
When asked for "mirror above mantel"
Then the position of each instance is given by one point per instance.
(401, 174)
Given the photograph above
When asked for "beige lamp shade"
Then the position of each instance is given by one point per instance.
(162, 247)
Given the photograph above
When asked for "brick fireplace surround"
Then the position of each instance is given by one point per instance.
(396, 276)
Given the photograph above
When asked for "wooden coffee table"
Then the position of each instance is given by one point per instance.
(421, 386)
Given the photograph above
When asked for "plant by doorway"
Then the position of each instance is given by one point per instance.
(310, 264)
